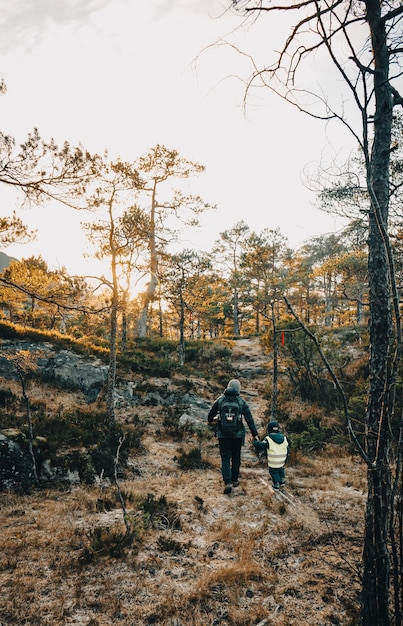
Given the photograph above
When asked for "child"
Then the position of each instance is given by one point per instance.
(276, 445)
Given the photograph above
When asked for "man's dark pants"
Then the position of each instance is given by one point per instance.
(230, 451)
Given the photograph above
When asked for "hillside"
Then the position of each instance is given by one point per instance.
(5, 260)
(195, 556)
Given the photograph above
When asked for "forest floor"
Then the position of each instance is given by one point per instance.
(251, 558)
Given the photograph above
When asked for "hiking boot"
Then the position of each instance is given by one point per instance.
(235, 483)
(228, 488)
(276, 485)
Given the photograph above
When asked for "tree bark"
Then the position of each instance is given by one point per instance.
(376, 570)
(31, 431)
(273, 411)
(152, 285)
(236, 314)
(111, 380)
(147, 299)
(181, 347)
(110, 389)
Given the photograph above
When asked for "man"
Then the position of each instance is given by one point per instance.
(226, 416)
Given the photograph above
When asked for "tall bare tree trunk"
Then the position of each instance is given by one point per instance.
(123, 334)
(113, 332)
(181, 347)
(273, 410)
(152, 285)
(396, 529)
(110, 389)
(31, 431)
(236, 313)
(146, 301)
(376, 572)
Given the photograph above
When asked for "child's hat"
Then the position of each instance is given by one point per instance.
(273, 427)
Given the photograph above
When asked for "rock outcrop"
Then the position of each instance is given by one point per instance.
(70, 370)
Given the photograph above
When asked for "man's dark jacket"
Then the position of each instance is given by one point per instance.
(245, 411)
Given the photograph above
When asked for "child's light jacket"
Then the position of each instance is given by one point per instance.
(276, 452)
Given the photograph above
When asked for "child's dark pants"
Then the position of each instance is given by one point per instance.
(277, 475)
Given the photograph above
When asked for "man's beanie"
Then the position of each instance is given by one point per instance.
(234, 385)
(273, 427)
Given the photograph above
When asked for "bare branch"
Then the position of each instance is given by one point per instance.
(392, 14)
(337, 384)
(397, 98)
(60, 304)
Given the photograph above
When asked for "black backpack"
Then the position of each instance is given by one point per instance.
(230, 415)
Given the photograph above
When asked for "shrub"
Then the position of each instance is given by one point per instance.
(159, 513)
(191, 460)
(86, 429)
(105, 541)
(308, 436)
(171, 423)
(167, 544)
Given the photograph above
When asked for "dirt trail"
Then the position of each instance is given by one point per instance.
(277, 524)
(251, 363)
(245, 502)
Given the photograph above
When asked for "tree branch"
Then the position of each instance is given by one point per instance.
(397, 98)
(336, 382)
(47, 300)
(392, 14)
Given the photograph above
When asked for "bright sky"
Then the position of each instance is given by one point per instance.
(122, 75)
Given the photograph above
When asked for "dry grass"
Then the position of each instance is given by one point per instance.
(210, 560)
(234, 561)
